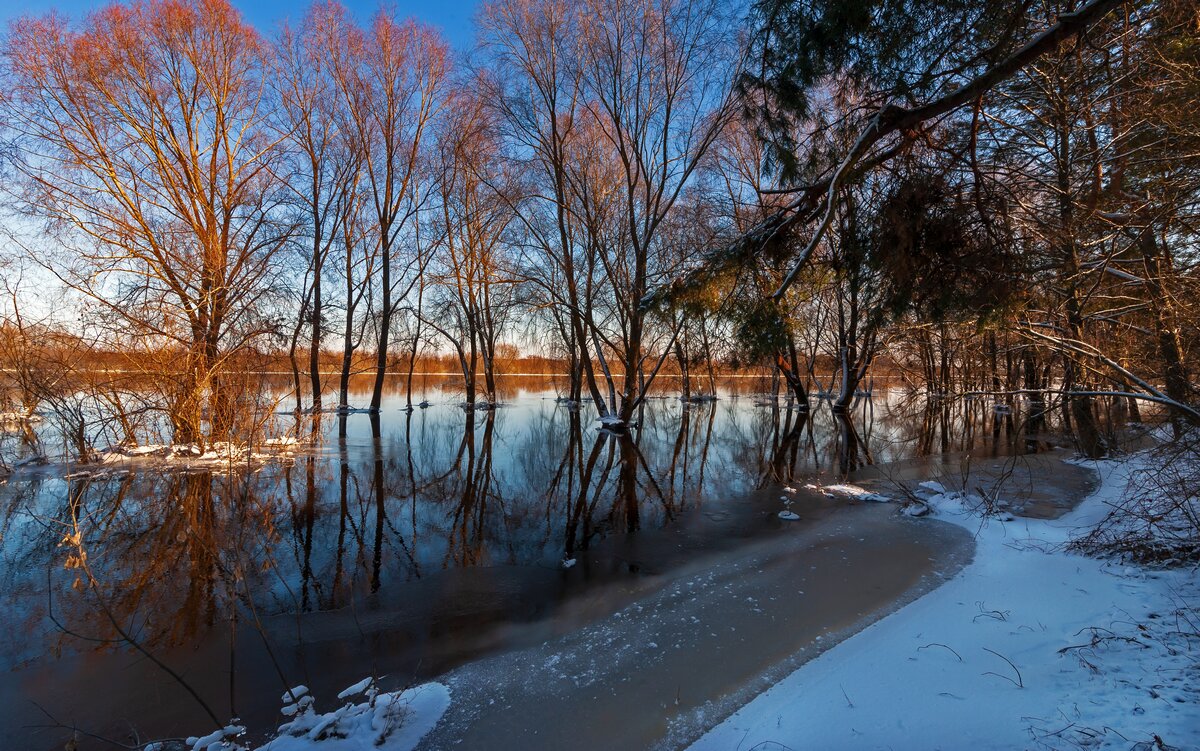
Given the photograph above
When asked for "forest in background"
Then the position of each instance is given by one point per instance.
(995, 199)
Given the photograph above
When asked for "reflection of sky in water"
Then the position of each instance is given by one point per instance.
(440, 488)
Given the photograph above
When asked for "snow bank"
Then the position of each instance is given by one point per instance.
(1028, 647)
(191, 452)
(381, 721)
(1158, 519)
(115, 461)
(386, 721)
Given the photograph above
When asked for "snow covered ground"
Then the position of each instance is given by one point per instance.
(1027, 647)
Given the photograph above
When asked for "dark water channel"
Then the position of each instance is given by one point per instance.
(462, 544)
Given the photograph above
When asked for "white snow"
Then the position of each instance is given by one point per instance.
(382, 721)
(934, 486)
(216, 456)
(218, 740)
(358, 688)
(855, 492)
(1027, 647)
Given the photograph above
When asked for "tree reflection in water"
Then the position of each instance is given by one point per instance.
(381, 502)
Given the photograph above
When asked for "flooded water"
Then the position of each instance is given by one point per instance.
(464, 544)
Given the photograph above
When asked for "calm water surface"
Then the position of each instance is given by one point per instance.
(405, 544)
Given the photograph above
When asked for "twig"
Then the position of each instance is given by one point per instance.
(943, 646)
(1019, 682)
(59, 725)
(1000, 615)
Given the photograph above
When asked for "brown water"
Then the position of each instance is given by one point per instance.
(431, 544)
(674, 662)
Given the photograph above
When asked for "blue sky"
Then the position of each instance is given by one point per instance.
(454, 17)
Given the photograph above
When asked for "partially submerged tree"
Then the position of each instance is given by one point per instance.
(392, 78)
(475, 190)
(324, 161)
(143, 143)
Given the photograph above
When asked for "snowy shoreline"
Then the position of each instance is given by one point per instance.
(1026, 646)
(1029, 646)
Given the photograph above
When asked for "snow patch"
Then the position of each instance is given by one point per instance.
(369, 720)
(1029, 646)
(215, 457)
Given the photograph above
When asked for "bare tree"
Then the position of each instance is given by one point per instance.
(144, 145)
(657, 78)
(475, 192)
(392, 79)
(324, 160)
(616, 103)
(533, 49)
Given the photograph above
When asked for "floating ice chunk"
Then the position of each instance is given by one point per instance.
(146, 450)
(854, 491)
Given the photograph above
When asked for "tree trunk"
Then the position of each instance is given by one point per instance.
(385, 324)
(314, 347)
(1170, 348)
